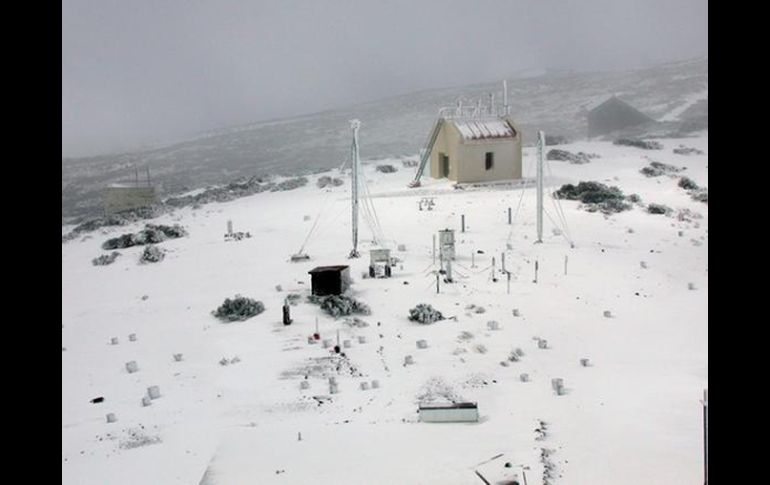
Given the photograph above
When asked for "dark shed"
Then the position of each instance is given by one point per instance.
(329, 280)
(612, 115)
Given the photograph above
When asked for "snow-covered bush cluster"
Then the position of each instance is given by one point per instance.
(687, 183)
(238, 309)
(152, 254)
(409, 163)
(435, 390)
(658, 209)
(574, 158)
(289, 184)
(325, 180)
(105, 259)
(700, 195)
(122, 218)
(339, 305)
(595, 196)
(697, 194)
(656, 169)
(424, 313)
(151, 234)
(224, 193)
(643, 144)
(386, 168)
(683, 150)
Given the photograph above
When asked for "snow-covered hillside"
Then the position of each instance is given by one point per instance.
(397, 126)
(633, 416)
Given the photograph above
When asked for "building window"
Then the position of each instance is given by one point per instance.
(489, 160)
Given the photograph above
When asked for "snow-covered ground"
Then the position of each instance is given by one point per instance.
(632, 417)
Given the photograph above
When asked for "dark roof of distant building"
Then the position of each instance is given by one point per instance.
(328, 269)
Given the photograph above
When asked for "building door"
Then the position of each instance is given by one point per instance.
(444, 164)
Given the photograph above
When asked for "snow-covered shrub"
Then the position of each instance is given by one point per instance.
(683, 150)
(643, 144)
(658, 209)
(409, 163)
(436, 389)
(656, 169)
(238, 309)
(289, 184)
(105, 259)
(151, 234)
(596, 197)
(589, 192)
(152, 254)
(700, 195)
(424, 313)
(326, 180)
(565, 156)
(386, 168)
(687, 184)
(338, 305)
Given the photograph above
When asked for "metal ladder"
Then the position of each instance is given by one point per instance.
(425, 155)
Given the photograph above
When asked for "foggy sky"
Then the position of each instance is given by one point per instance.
(145, 71)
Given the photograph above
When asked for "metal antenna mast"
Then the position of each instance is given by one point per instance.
(540, 150)
(355, 125)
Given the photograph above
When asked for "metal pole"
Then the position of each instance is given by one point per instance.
(449, 270)
(509, 216)
(434, 250)
(509, 282)
(438, 278)
(493, 268)
(566, 258)
(536, 265)
(502, 262)
(473, 259)
(462, 222)
(540, 150)
(706, 436)
(355, 125)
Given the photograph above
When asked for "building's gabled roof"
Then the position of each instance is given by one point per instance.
(484, 129)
